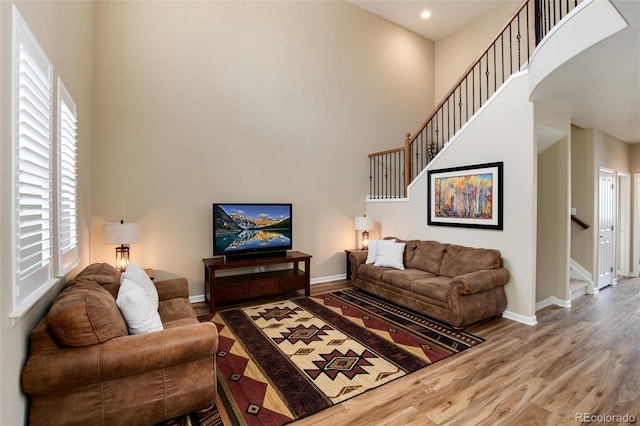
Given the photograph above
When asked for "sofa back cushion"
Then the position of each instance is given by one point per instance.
(459, 260)
(427, 256)
(409, 248)
(85, 314)
(100, 273)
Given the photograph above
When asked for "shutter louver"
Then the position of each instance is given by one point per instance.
(67, 181)
(33, 167)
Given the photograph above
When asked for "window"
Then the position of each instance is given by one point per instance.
(67, 167)
(45, 233)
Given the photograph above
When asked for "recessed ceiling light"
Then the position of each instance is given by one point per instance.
(425, 14)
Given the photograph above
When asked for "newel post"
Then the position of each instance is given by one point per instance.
(407, 162)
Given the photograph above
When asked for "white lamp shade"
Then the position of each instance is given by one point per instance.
(121, 233)
(364, 223)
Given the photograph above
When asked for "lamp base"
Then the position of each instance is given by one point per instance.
(365, 240)
(122, 258)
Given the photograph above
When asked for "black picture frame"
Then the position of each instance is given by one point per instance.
(466, 196)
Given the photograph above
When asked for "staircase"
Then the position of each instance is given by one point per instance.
(391, 171)
(579, 280)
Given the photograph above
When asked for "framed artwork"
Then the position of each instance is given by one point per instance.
(468, 196)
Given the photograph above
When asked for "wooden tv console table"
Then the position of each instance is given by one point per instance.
(229, 288)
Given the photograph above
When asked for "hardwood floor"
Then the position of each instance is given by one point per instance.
(575, 364)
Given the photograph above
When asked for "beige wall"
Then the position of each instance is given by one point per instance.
(634, 158)
(202, 102)
(610, 152)
(592, 149)
(553, 137)
(513, 143)
(64, 30)
(552, 259)
(583, 197)
(456, 52)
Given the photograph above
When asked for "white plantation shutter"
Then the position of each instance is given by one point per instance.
(33, 95)
(67, 181)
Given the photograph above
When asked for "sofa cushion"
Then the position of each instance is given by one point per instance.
(434, 288)
(372, 251)
(459, 260)
(100, 273)
(371, 272)
(85, 314)
(404, 278)
(390, 254)
(410, 246)
(138, 311)
(427, 256)
(141, 278)
(409, 251)
(176, 309)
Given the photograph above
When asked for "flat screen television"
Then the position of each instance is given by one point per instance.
(252, 229)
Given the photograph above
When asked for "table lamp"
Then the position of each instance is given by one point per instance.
(363, 223)
(121, 233)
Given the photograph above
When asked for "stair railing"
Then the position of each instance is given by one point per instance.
(580, 223)
(391, 171)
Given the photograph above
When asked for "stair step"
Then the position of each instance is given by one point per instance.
(577, 284)
(577, 288)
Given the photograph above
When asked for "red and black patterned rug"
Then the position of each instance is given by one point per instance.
(283, 361)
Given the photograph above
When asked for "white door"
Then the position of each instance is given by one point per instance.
(606, 223)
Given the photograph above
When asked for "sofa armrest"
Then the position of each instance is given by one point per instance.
(357, 258)
(479, 281)
(68, 368)
(172, 288)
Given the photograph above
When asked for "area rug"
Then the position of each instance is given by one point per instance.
(282, 361)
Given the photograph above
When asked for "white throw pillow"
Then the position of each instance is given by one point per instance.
(373, 250)
(140, 277)
(390, 254)
(137, 310)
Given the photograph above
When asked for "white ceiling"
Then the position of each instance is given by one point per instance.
(600, 87)
(447, 16)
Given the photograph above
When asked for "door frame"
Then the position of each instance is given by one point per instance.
(635, 264)
(614, 218)
(623, 234)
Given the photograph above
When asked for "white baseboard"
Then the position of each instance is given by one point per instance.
(543, 304)
(552, 301)
(520, 318)
(561, 303)
(197, 298)
(328, 279)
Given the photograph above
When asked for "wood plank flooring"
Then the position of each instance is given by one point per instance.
(576, 362)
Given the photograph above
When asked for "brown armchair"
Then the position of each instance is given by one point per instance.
(84, 367)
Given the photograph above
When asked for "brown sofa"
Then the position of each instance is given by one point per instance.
(84, 368)
(455, 284)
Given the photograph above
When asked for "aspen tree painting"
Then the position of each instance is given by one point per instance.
(469, 196)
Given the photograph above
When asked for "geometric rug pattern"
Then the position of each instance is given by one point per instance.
(282, 361)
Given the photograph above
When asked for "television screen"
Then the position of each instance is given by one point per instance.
(251, 228)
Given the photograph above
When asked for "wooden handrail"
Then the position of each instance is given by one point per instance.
(388, 151)
(579, 222)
